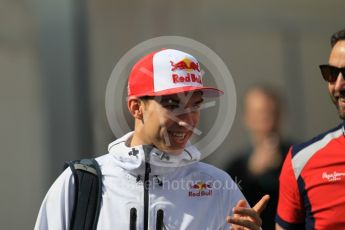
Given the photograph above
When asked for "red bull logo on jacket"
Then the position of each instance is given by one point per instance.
(200, 189)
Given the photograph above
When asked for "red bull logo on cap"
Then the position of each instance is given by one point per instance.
(185, 64)
(186, 78)
(188, 66)
(200, 189)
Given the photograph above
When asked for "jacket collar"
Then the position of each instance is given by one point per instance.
(133, 159)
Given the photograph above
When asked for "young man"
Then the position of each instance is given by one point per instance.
(152, 174)
(312, 181)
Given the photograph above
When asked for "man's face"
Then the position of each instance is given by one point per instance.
(168, 121)
(261, 113)
(337, 88)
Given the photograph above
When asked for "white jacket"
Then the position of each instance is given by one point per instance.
(190, 194)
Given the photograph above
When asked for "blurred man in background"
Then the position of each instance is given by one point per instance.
(258, 166)
(312, 181)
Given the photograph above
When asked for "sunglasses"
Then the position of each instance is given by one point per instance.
(330, 73)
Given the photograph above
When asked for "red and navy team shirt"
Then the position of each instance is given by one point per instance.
(312, 184)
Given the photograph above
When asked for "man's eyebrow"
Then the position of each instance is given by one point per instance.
(170, 101)
(199, 101)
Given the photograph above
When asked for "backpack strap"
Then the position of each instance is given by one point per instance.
(88, 194)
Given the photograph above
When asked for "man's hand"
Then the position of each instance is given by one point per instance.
(247, 218)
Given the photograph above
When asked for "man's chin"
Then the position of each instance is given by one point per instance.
(341, 113)
(175, 148)
(174, 151)
(171, 149)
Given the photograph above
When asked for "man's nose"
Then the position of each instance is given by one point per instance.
(187, 118)
(340, 83)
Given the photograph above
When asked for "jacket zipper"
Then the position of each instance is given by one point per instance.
(160, 217)
(133, 219)
(147, 150)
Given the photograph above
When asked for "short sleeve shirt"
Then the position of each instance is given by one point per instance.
(312, 184)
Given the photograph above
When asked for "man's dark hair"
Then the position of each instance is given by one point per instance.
(146, 98)
(340, 35)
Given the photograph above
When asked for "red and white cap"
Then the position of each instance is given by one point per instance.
(166, 72)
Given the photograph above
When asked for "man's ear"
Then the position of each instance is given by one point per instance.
(135, 107)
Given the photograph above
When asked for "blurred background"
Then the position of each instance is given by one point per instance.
(56, 58)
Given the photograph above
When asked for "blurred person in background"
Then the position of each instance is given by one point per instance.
(312, 181)
(257, 167)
